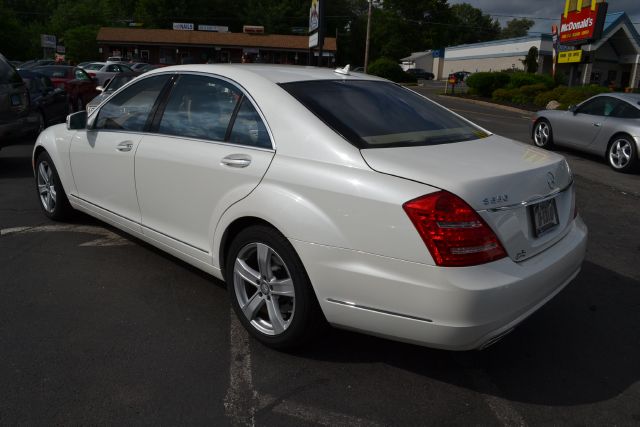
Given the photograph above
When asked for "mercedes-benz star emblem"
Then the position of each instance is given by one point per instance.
(551, 180)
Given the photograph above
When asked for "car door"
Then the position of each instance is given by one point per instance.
(102, 157)
(58, 96)
(587, 121)
(210, 149)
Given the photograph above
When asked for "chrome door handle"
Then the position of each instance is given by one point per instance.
(125, 146)
(236, 160)
(597, 124)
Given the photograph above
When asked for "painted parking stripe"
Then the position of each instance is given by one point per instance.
(242, 402)
(107, 237)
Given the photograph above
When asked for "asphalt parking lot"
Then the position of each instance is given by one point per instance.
(100, 328)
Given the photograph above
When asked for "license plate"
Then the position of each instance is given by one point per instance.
(545, 216)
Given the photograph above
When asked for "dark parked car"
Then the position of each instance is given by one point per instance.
(32, 63)
(14, 103)
(419, 73)
(80, 87)
(48, 103)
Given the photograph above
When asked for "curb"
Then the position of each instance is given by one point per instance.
(490, 104)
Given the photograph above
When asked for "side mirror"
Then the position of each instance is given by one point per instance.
(573, 108)
(99, 88)
(77, 121)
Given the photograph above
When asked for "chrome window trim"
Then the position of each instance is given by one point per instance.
(245, 93)
(377, 310)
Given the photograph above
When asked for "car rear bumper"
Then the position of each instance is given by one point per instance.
(459, 308)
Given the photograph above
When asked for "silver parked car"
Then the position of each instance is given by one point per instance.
(105, 71)
(606, 124)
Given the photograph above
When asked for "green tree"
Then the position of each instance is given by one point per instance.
(530, 62)
(470, 25)
(516, 28)
(12, 41)
(80, 43)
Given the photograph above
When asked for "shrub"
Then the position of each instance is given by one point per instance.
(484, 83)
(389, 69)
(575, 95)
(527, 79)
(542, 99)
(503, 94)
(531, 91)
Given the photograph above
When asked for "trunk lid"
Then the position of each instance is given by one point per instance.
(501, 179)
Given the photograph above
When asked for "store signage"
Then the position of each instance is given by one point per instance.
(183, 26)
(582, 25)
(314, 15)
(60, 49)
(313, 40)
(570, 56)
(47, 40)
(214, 28)
(253, 29)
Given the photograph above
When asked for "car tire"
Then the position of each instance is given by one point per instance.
(543, 134)
(53, 199)
(273, 298)
(622, 154)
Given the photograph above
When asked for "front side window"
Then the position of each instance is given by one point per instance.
(129, 110)
(199, 107)
(375, 114)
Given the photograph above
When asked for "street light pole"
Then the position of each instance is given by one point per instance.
(366, 46)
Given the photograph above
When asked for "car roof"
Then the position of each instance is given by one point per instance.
(31, 74)
(633, 98)
(273, 73)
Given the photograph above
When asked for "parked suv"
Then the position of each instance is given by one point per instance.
(14, 102)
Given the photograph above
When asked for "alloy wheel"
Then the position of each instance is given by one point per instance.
(264, 289)
(620, 153)
(46, 186)
(541, 134)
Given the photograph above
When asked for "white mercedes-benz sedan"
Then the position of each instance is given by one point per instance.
(319, 196)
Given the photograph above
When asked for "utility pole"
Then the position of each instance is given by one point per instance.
(366, 46)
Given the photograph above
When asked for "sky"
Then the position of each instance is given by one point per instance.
(538, 10)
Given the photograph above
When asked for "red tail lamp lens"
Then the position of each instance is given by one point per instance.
(454, 233)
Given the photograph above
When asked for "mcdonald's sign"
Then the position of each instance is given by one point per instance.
(582, 21)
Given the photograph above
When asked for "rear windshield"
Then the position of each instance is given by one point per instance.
(373, 114)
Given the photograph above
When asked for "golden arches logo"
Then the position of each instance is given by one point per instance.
(578, 5)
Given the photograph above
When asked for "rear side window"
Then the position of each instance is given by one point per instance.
(625, 110)
(199, 107)
(248, 127)
(80, 74)
(373, 114)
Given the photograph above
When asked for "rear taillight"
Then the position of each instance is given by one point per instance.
(454, 233)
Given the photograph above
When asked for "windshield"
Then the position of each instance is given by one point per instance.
(374, 114)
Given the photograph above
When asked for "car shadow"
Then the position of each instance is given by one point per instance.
(582, 347)
(15, 162)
